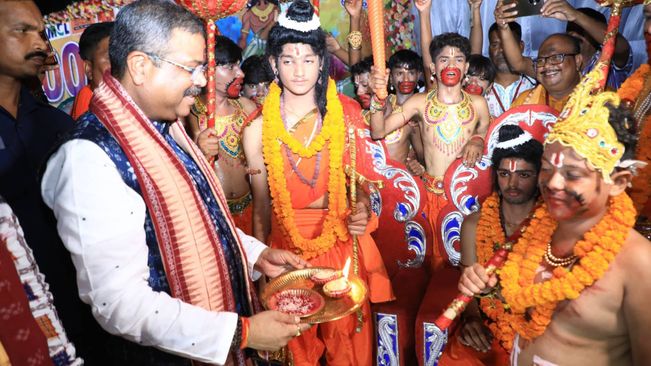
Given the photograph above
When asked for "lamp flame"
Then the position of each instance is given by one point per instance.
(346, 268)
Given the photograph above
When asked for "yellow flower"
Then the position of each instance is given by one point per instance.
(332, 134)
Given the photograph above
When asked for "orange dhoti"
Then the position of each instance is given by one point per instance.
(342, 345)
(456, 354)
(242, 212)
(436, 200)
(307, 182)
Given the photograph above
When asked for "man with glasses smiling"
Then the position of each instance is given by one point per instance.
(158, 256)
(558, 70)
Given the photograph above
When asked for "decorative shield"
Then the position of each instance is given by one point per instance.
(467, 187)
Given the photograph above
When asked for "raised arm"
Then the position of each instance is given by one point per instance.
(562, 10)
(424, 7)
(476, 31)
(381, 125)
(252, 144)
(512, 51)
(335, 49)
(354, 9)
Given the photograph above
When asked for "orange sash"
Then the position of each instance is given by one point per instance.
(310, 221)
(539, 95)
(82, 101)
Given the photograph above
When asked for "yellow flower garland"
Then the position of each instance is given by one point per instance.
(630, 91)
(596, 251)
(333, 132)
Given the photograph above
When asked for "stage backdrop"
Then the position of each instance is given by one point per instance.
(64, 28)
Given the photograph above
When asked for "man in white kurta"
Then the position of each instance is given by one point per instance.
(157, 256)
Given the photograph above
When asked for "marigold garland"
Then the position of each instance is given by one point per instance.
(489, 237)
(596, 251)
(630, 91)
(274, 134)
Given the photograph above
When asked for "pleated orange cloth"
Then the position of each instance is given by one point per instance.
(436, 200)
(539, 95)
(456, 354)
(82, 101)
(338, 339)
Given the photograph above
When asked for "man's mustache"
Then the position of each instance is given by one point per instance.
(36, 54)
(192, 91)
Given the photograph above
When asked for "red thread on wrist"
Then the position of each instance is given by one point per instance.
(245, 333)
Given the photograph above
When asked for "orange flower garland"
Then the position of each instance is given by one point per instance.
(630, 91)
(332, 132)
(488, 235)
(596, 251)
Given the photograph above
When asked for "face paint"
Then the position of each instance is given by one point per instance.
(577, 196)
(364, 100)
(406, 87)
(451, 76)
(234, 87)
(557, 159)
(474, 89)
(513, 166)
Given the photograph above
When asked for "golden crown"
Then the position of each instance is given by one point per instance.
(583, 124)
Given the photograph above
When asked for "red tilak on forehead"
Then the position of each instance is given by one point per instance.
(557, 159)
(297, 50)
(513, 166)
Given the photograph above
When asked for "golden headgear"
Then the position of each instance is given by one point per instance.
(583, 124)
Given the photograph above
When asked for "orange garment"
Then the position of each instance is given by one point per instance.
(242, 212)
(342, 345)
(436, 200)
(539, 95)
(456, 354)
(82, 101)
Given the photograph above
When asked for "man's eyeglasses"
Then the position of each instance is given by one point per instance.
(195, 72)
(556, 59)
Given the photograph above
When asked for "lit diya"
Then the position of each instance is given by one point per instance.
(325, 275)
(339, 286)
(301, 302)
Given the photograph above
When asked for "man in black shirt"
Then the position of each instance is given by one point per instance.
(28, 131)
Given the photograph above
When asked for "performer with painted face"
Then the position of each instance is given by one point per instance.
(301, 148)
(405, 68)
(485, 336)
(576, 283)
(222, 143)
(360, 74)
(452, 122)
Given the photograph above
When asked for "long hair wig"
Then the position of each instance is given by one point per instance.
(302, 11)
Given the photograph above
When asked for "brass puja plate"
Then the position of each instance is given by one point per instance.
(334, 308)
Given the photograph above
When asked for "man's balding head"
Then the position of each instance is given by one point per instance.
(558, 64)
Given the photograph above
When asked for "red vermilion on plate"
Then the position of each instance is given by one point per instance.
(297, 301)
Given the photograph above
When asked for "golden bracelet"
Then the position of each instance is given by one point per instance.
(354, 39)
